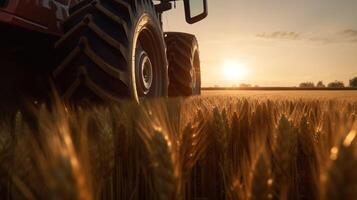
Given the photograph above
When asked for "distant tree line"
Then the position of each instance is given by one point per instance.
(319, 84)
(334, 84)
(307, 85)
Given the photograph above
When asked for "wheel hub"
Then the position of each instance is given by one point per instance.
(146, 72)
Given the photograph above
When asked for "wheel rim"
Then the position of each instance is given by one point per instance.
(146, 71)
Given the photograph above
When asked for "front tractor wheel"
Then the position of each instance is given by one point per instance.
(184, 64)
(111, 49)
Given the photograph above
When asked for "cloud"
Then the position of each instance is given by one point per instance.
(283, 35)
(345, 36)
(349, 33)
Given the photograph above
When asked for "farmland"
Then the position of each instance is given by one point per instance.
(286, 94)
(221, 145)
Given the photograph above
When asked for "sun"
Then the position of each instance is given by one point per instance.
(233, 70)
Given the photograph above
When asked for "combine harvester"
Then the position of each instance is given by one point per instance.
(103, 50)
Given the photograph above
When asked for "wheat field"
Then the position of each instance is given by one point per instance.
(211, 147)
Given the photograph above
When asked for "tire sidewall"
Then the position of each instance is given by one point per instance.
(145, 18)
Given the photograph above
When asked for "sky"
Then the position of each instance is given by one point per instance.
(274, 42)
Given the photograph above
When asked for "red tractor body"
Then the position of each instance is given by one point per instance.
(37, 15)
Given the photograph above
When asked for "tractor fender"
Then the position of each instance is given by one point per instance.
(38, 15)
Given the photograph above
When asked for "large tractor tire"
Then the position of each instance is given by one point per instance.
(184, 64)
(111, 49)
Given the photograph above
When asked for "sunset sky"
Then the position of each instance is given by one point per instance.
(274, 42)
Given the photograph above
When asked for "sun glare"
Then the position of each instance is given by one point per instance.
(234, 71)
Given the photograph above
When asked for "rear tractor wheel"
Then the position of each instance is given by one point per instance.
(111, 49)
(184, 64)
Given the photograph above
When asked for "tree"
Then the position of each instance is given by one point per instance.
(353, 82)
(307, 85)
(320, 84)
(336, 84)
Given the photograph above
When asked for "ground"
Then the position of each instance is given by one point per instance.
(311, 94)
